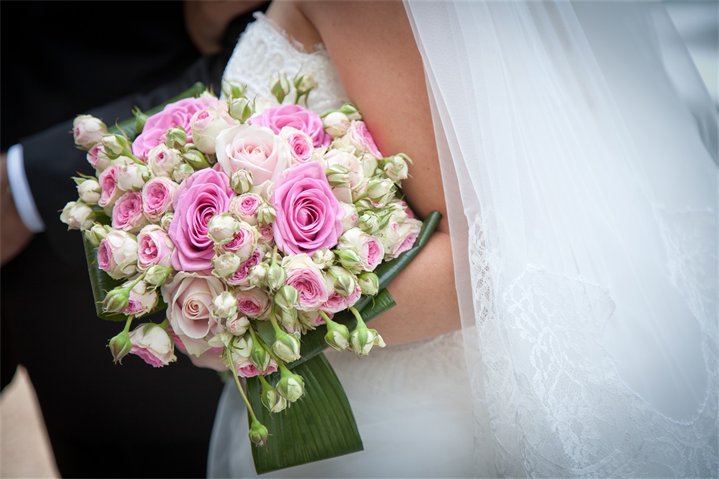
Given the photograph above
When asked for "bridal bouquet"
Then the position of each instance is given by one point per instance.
(267, 231)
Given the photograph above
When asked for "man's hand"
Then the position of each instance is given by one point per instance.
(206, 20)
(13, 233)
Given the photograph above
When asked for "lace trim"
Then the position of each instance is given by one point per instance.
(319, 48)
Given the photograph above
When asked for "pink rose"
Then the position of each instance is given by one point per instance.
(206, 125)
(108, 184)
(152, 343)
(245, 207)
(247, 369)
(176, 114)
(361, 138)
(252, 302)
(203, 195)
(309, 217)
(239, 278)
(301, 145)
(88, 131)
(399, 235)
(298, 117)
(143, 299)
(312, 319)
(307, 278)
(252, 148)
(127, 213)
(154, 247)
(210, 359)
(117, 254)
(244, 242)
(335, 303)
(267, 235)
(97, 158)
(369, 248)
(157, 196)
(189, 303)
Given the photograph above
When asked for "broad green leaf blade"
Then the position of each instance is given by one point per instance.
(318, 426)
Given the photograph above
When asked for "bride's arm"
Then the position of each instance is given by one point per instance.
(373, 49)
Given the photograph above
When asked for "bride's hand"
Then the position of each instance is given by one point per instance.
(207, 20)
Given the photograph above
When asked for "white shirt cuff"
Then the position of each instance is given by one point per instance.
(20, 189)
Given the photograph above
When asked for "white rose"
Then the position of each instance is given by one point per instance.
(206, 125)
(224, 306)
(117, 254)
(77, 216)
(222, 228)
(132, 177)
(336, 124)
(163, 160)
(89, 191)
(225, 265)
(351, 217)
(238, 326)
(153, 344)
(253, 148)
(88, 131)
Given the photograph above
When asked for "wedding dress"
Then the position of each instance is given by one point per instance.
(412, 403)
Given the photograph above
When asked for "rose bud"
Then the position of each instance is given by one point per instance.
(369, 283)
(115, 146)
(205, 125)
(120, 346)
(241, 344)
(117, 254)
(337, 336)
(286, 298)
(351, 111)
(280, 87)
(380, 190)
(338, 175)
(242, 181)
(258, 433)
(275, 276)
(258, 275)
(116, 300)
(157, 196)
(166, 220)
(97, 158)
(97, 233)
(176, 137)
(225, 265)
(238, 326)
(88, 131)
(157, 275)
(77, 216)
(289, 320)
(222, 228)
(127, 213)
(362, 338)
(286, 346)
(241, 108)
(153, 345)
(344, 281)
(271, 399)
(369, 222)
(196, 159)
(182, 172)
(304, 84)
(142, 299)
(350, 259)
(89, 191)
(266, 214)
(336, 124)
(163, 160)
(395, 167)
(253, 302)
(132, 177)
(290, 386)
(369, 248)
(224, 306)
(323, 258)
(245, 207)
(351, 218)
(259, 356)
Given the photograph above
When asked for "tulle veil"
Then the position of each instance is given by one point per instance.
(579, 160)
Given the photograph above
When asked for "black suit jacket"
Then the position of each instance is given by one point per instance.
(58, 60)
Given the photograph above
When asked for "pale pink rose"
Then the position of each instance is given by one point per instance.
(252, 148)
(210, 359)
(399, 236)
(244, 242)
(154, 247)
(353, 165)
(312, 319)
(309, 217)
(177, 114)
(335, 303)
(189, 304)
(245, 207)
(127, 213)
(88, 131)
(351, 217)
(300, 143)
(97, 158)
(153, 344)
(206, 125)
(307, 278)
(240, 277)
(108, 183)
(142, 300)
(369, 248)
(361, 138)
(267, 235)
(247, 369)
(353, 297)
(294, 116)
(205, 194)
(117, 254)
(157, 196)
(163, 160)
(252, 303)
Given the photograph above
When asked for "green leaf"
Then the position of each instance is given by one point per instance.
(318, 426)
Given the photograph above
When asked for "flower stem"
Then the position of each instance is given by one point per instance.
(239, 386)
(358, 317)
(128, 323)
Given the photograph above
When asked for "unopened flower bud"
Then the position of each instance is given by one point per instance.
(96, 233)
(88, 131)
(291, 386)
(182, 172)
(395, 167)
(369, 283)
(369, 222)
(271, 399)
(116, 300)
(344, 281)
(89, 191)
(362, 338)
(351, 111)
(156, 275)
(176, 138)
(77, 216)
(132, 177)
(286, 297)
(289, 319)
(336, 124)
(238, 325)
(120, 346)
(338, 175)
(349, 259)
(242, 181)
(275, 276)
(222, 228)
(323, 258)
(224, 305)
(115, 145)
(166, 220)
(241, 108)
(225, 264)
(286, 346)
(258, 275)
(258, 433)
(380, 189)
(259, 356)
(196, 159)
(280, 87)
(337, 336)
(266, 214)
(304, 84)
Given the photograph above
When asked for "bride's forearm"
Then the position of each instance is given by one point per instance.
(425, 295)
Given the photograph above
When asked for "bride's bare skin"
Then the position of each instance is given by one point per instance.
(372, 46)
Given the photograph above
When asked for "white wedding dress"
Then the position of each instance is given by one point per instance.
(412, 403)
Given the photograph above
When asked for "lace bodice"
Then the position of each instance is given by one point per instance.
(265, 50)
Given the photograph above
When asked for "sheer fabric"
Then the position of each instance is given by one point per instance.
(579, 160)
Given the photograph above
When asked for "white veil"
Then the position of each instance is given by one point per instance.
(579, 159)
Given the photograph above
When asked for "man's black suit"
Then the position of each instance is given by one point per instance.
(60, 59)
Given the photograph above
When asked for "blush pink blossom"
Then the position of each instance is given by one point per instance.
(108, 184)
(157, 195)
(245, 207)
(308, 216)
(240, 277)
(252, 303)
(247, 369)
(301, 145)
(360, 137)
(152, 344)
(294, 116)
(303, 274)
(205, 194)
(117, 254)
(244, 242)
(252, 148)
(127, 213)
(97, 158)
(154, 247)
